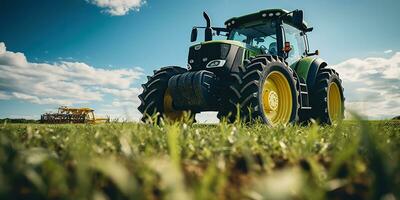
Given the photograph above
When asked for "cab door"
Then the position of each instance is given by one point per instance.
(297, 43)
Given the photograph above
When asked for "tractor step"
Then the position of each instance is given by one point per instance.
(304, 97)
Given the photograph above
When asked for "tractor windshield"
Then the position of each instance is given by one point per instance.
(261, 36)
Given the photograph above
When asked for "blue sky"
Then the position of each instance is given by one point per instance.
(128, 41)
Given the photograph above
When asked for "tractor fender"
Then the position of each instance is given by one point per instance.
(307, 69)
(312, 72)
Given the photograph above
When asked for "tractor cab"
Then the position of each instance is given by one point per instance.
(274, 32)
(258, 38)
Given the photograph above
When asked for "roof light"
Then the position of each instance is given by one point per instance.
(233, 21)
(278, 13)
(271, 14)
(264, 14)
(229, 24)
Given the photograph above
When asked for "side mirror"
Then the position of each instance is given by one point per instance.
(208, 34)
(316, 53)
(193, 35)
(298, 17)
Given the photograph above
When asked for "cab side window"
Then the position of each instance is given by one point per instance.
(293, 35)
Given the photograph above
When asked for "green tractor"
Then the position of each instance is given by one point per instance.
(261, 69)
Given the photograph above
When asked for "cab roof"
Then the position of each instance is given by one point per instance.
(264, 15)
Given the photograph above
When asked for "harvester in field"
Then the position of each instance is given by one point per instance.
(72, 115)
(262, 69)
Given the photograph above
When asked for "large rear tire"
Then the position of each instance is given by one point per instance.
(327, 99)
(156, 100)
(268, 92)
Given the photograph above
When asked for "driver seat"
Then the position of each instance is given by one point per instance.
(273, 49)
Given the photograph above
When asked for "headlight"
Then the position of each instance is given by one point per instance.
(216, 63)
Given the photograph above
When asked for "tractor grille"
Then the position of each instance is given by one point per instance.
(200, 55)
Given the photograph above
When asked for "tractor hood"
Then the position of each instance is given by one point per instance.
(216, 54)
(230, 42)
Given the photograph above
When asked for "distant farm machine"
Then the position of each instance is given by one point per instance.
(72, 115)
(260, 68)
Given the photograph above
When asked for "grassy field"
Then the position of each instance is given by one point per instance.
(353, 160)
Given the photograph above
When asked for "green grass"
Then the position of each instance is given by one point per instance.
(353, 160)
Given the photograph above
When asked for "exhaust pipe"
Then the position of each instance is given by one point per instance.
(208, 29)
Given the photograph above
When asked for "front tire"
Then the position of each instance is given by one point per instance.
(156, 100)
(268, 92)
(230, 99)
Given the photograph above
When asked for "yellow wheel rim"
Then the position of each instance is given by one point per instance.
(277, 99)
(335, 106)
(169, 110)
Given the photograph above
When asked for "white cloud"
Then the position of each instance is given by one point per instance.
(63, 83)
(124, 106)
(3, 95)
(122, 109)
(2, 48)
(124, 94)
(37, 100)
(118, 7)
(388, 51)
(372, 85)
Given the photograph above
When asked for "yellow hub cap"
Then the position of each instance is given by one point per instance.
(273, 101)
(277, 99)
(335, 106)
(169, 110)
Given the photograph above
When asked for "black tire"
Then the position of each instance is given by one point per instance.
(152, 97)
(230, 99)
(254, 76)
(319, 95)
